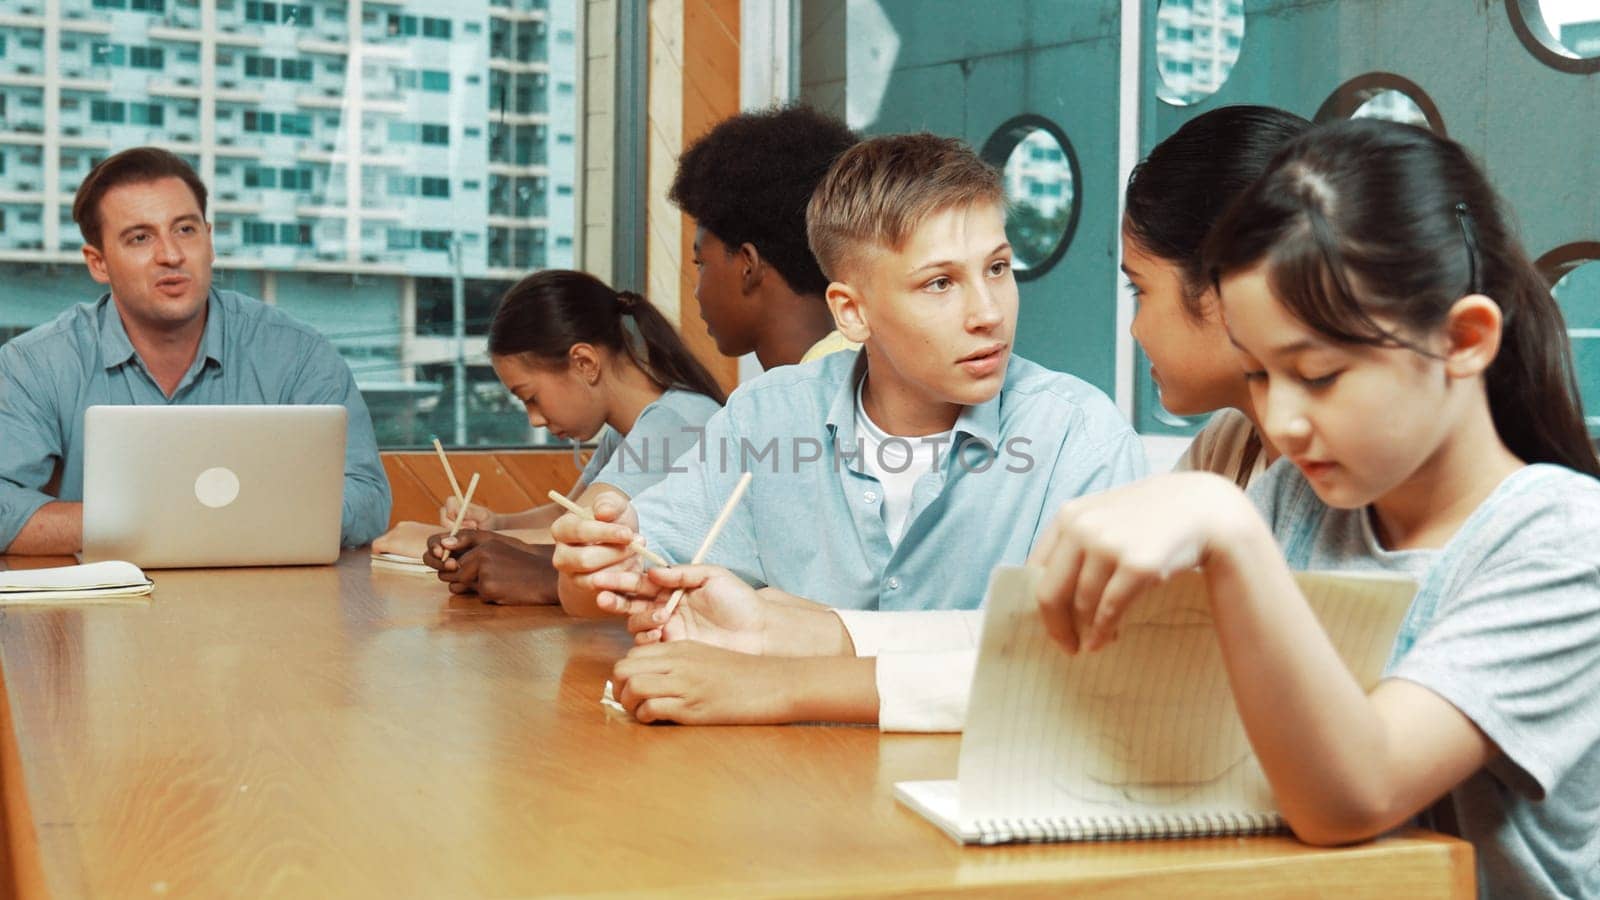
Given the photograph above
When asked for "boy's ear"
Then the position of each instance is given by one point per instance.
(849, 313)
(751, 267)
(584, 361)
(1473, 329)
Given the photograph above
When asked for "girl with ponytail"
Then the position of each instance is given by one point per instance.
(1413, 369)
(583, 359)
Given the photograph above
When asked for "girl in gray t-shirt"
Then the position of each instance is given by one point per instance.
(1412, 367)
(584, 360)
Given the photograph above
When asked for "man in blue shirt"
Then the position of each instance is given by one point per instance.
(161, 335)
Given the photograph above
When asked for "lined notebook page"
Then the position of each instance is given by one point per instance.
(1144, 729)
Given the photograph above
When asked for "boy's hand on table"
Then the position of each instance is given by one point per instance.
(698, 684)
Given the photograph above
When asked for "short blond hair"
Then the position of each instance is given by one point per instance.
(882, 189)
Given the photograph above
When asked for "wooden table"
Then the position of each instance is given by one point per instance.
(344, 732)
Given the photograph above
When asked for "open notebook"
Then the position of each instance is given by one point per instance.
(101, 582)
(413, 564)
(1137, 740)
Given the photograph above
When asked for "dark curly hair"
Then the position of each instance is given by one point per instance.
(748, 180)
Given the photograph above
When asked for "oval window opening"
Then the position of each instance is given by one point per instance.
(1197, 45)
(1040, 172)
(1564, 34)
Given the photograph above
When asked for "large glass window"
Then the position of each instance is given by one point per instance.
(353, 210)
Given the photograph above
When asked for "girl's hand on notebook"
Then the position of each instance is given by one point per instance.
(698, 684)
(479, 517)
(405, 539)
(1102, 551)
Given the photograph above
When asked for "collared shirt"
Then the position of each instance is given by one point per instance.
(811, 522)
(249, 353)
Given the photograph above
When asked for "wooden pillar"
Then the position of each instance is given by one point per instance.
(694, 83)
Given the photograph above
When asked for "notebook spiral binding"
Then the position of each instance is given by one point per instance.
(1122, 828)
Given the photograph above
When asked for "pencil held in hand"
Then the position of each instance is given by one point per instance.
(711, 537)
(455, 486)
(465, 502)
(585, 512)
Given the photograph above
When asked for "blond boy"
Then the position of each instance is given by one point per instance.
(894, 478)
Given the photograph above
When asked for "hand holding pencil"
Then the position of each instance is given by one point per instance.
(603, 537)
(477, 516)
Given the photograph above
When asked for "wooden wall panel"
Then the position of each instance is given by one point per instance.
(414, 501)
(694, 72)
(508, 480)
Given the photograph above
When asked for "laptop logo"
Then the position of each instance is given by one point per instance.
(216, 487)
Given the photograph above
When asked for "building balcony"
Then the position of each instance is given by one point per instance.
(504, 221)
(328, 45)
(23, 75)
(231, 36)
(182, 87)
(172, 29)
(86, 84)
(505, 168)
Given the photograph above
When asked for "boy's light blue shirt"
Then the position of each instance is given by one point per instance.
(249, 353)
(811, 523)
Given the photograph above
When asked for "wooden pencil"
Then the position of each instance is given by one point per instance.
(455, 486)
(711, 536)
(587, 513)
(466, 501)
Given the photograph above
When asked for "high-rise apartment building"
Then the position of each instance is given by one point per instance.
(352, 149)
(1197, 43)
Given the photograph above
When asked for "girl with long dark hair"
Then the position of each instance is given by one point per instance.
(1412, 367)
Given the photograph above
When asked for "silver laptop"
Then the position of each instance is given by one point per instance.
(185, 486)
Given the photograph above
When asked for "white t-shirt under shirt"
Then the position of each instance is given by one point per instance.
(1506, 628)
(663, 431)
(926, 660)
(897, 462)
(921, 682)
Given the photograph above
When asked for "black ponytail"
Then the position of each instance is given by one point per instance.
(544, 314)
(1180, 190)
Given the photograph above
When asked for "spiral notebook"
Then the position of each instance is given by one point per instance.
(1137, 740)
